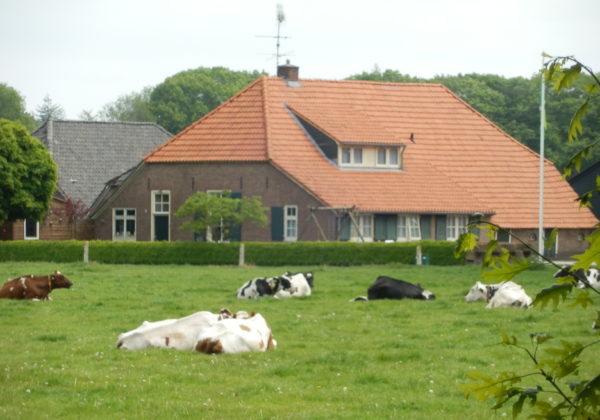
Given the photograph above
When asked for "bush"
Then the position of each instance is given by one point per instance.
(59, 251)
(256, 253)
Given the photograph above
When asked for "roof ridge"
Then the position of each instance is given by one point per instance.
(362, 82)
(201, 120)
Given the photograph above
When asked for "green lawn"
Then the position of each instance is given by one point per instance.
(335, 359)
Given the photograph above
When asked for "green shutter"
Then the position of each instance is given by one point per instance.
(425, 227)
(380, 223)
(277, 223)
(235, 233)
(391, 227)
(476, 230)
(440, 227)
(345, 228)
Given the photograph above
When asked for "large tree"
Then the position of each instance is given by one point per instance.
(187, 96)
(134, 106)
(12, 107)
(48, 110)
(29, 174)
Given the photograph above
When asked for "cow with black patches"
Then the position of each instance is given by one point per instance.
(34, 287)
(389, 288)
(259, 287)
(295, 285)
(505, 294)
(584, 279)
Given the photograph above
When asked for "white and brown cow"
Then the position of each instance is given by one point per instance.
(235, 335)
(179, 334)
(505, 294)
(34, 287)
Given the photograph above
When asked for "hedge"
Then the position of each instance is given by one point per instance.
(256, 253)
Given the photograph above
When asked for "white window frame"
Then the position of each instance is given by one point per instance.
(125, 217)
(37, 231)
(456, 224)
(290, 223)
(365, 227)
(161, 211)
(353, 154)
(408, 227)
(387, 155)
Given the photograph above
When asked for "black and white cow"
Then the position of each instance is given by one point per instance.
(259, 287)
(390, 288)
(284, 286)
(505, 294)
(585, 278)
(299, 284)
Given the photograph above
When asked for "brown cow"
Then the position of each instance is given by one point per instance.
(34, 287)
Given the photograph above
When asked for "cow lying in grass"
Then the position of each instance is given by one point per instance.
(34, 287)
(505, 294)
(236, 335)
(390, 288)
(185, 333)
(284, 286)
(589, 278)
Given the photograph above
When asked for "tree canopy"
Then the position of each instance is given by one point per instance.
(12, 107)
(29, 174)
(48, 110)
(217, 214)
(187, 96)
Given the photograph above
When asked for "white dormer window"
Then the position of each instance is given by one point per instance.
(387, 157)
(352, 156)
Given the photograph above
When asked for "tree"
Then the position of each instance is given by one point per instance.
(49, 111)
(12, 107)
(579, 398)
(131, 107)
(187, 96)
(87, 115)
(29, 174)
(217, 214)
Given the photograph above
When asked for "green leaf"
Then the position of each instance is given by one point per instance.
(549, 242)
(504, 270)
(540, 338)
(553, 294)
(588, 399)
(466, 242)
(592, 254)
(582, 298)
(575, 127)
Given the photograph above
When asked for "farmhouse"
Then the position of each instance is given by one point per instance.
(88, 154)
(344, 160)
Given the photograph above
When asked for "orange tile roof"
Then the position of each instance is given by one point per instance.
(459, 161)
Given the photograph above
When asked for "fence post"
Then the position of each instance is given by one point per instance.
(86, 252)
(241, 256)
(419, 256)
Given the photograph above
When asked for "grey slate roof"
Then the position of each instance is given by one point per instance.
(90, 153)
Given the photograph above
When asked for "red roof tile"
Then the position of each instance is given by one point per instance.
(459, 161)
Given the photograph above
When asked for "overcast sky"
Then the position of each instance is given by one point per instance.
(85, 54)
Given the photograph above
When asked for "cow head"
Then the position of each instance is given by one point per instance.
(477, 292)
(427, 295)
(309, 278)
(57, 280)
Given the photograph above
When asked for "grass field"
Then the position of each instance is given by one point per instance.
(335, 359)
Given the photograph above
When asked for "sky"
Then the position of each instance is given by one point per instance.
(86, 54)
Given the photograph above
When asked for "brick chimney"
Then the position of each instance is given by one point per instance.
(288, 72)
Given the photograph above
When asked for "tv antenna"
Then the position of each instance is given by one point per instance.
(278, 37)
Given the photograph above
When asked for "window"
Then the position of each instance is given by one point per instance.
(290, 214)
(31, 229)
(455, 226)
(124, 224)
(409, 228)
(161, 209)
(365, 227)
(352, 156)
(387, 157)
